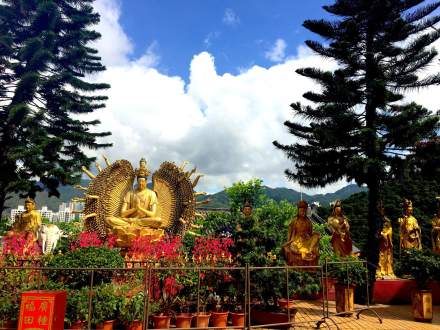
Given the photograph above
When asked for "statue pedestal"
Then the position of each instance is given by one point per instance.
(398, 291)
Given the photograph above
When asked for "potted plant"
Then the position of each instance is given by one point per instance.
(348, 272)
(422, 266)
(132, 310)
(77, 309)
(106, 302)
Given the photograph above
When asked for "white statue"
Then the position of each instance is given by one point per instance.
(48, 236)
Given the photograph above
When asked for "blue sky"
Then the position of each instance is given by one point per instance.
(210, 82)
(237, 32)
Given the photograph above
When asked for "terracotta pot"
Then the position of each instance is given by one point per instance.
(344, 299)
(106, 325)
(219, 319)
(78, 325)
(161, 321)
(202, 320)
(284, 303)
(183, 320)
(135, 325)
(237, 319)
(422, 305)
(8, 324)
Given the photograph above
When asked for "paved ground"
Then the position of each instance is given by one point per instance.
(394, 317)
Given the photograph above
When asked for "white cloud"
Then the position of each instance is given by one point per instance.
(210, 37)
(230, 17)
(277, 53)
(223, 124)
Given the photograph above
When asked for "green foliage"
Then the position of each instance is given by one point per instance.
(423, 266)
(5, 226)
(304, 284)
(347, 270)
(77, 308)
(85, 257)
(45, 59)
(132, 308)
(72, 230)
(107, 301)
(325, 245)
(13, 282)
(240, 192)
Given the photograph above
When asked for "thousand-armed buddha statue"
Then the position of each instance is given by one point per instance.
(385, 264)
(436, 230)
(117, 201)
(338, 223)
(138, 215)
(410, 233)
(302, 247)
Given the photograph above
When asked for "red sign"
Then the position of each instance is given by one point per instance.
(42, 310)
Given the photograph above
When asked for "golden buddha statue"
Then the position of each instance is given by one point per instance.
(138, 216)
(29, 221)
(436, 230)
(410, 233)
(338, 223)
(302, 247)
(385, 265)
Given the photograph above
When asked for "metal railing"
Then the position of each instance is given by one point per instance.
(321, 272)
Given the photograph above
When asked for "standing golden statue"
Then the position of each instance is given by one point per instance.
(338, 223)
(302, 247)
(436, 230)
(114, 205)
(410, 233)
(385, 266)
(29, 221)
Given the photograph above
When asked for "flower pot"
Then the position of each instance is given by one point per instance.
(284, 303)
(78, 325)
(106, 325)
(422, 305)
(237, 319)
(344, 299)
(184, 320)
(219, 319)
(263, 317)
(8, 324)
(134, 325)
(161, 321)
(202, 319)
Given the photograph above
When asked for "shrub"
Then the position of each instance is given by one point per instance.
(85, 257)
(347, 270)
(421, 265)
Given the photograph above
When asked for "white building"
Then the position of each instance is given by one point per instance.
(65, 212)
(46, 213)
(17, 211)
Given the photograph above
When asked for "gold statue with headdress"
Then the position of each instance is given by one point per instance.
(436, 230)
(338, 224)
(410, 233)
(302, 247)
(385, 264)
(29, 221)
(114, 206)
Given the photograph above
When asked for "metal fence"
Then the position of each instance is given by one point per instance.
(320, 272)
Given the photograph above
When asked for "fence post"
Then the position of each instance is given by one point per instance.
(89, 320)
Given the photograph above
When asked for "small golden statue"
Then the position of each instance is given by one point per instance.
(247, 209)
(436, 230)
(410, 233)
(114, 206)
(338, 223)
(385, 266)
(29, 221)
(302, 247)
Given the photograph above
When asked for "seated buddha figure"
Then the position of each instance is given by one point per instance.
(27, 222)
(302, 247)
(138, 212)
(338, 223)
(385, 265)
(410, 233)
(436, 230)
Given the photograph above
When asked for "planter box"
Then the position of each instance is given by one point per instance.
(262, 317)
(422, 305)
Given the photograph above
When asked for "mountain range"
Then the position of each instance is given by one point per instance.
(218, 200)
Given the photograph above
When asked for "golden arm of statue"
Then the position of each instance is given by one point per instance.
(146, 213)
(126, 212)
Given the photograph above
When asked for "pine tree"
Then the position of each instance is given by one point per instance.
(45, 58)
(360, 123)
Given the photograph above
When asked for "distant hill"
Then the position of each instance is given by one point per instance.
(218, 200)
